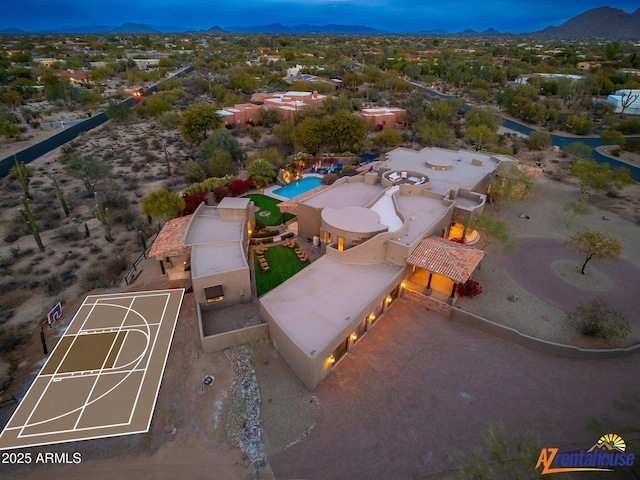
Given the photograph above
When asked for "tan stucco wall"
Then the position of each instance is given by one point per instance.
(309, 220)
(232, 282)
(313, 369)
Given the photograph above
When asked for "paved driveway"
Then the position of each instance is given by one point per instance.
(419, 390)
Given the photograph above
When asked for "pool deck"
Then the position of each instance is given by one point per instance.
(269, 190)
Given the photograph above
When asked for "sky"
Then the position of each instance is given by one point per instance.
(388, 15)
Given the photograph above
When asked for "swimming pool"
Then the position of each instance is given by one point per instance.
(298, 188)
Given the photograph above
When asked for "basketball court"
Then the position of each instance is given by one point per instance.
(103, 377)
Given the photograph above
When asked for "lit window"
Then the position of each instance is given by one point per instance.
(214, 294)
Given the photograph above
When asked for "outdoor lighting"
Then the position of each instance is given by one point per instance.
(332, 359)
(403, 284)
(388, 299)
(372, 317)
(354, 337)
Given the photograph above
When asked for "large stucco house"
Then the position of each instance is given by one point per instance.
(378, 231)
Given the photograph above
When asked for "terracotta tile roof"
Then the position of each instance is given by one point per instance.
(169, 242)
(451, 259)
(291, 205)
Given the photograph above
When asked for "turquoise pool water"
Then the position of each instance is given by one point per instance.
(297, 188)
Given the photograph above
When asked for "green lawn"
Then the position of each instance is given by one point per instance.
(268, 204)
(283, 264)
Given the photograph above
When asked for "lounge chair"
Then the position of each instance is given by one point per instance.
(394, 177)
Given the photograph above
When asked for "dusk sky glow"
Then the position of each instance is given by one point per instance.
(396, 16)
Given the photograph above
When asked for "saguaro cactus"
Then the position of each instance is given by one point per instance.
(102, 214)
(30, 222)
(23, 176)
(167, 160)
(60, 195)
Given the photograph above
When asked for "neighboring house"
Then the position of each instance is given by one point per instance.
(74, 76)
(385, 117)
(524, 79)
(289, 103)
(379, 233)
(627, 99)
(241, 114)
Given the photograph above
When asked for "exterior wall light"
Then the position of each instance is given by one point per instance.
(332, 359)
(354, 337)
(388, 299)
(372, 317)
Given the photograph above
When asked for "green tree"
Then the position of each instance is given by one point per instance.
(596, 177)
(91, 99)
(90, 170)
(220, 164)
(222, 140)
(509, 183)
(539, 140)
(262, 172)
(433, 133)
(162, 204)
(594, 244)
(479, 136)
(8, 129)
(197, 120)
(63, 91)
(613, 137)
(308, 135)
(387, 139)
(579, 125)
(345, 131)
(120, 112)
(598, 319)
(268, 117)
(255, 135)
(285, 133)
(572, 210)
(482, 116)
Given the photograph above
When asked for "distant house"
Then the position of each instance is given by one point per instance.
(74, 76)
(629, 97)
(289, 103)
(385, 117)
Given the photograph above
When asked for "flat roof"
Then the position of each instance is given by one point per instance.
(234, 202)
(353, 219)
(349, 194)
(420, 213)
(218, 258)
(462, 172)
(315, 305)
(212, 229)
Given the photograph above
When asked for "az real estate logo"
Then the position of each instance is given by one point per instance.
(607, 453)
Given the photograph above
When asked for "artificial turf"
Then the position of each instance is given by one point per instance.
(283, 264)
(268, 204)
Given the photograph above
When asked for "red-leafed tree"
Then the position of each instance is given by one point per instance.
(239, 187)
(191, 202)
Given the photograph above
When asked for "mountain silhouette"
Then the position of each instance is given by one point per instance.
(604, 446)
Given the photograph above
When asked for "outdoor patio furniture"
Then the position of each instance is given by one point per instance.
(394, 177)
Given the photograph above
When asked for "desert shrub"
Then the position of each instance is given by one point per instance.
(10, 339)
(53, 284)
(70, 233)
(13, 297)
(12, 235)
(6, 261)
(470, 289)
(598, 319)
(329, 179)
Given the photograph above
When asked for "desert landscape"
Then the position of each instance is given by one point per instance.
(189, 424)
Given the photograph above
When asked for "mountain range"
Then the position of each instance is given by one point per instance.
(603, 22)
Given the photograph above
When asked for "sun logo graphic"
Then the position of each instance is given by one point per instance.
(608, 452)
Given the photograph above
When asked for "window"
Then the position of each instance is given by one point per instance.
(340, 244)
(326, 236)
(214, 294)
